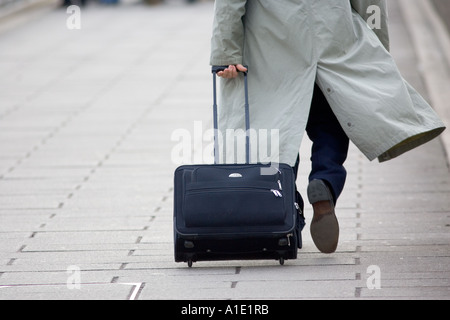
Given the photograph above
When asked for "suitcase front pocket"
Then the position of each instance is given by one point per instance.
(233, 205)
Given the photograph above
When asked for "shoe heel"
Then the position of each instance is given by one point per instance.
(318, 191)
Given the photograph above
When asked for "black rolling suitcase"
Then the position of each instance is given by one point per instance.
(233, 212)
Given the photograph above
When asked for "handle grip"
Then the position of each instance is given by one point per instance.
(216, 69)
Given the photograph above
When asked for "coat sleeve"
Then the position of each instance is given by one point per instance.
(227, 40)
(363, 7)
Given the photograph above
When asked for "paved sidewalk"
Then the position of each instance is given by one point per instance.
(86, 172)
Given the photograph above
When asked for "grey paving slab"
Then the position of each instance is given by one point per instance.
(406, 293)
(61, 292)
(57, 277)
(45, 260)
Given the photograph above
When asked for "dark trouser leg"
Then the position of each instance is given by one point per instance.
(330, 145)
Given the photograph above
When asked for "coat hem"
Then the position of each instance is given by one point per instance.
(403, 143)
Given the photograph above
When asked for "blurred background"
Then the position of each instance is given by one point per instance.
(8, 7)
(443, 8)
(10, 4)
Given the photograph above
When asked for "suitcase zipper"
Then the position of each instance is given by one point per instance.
(230, 169)
(275, 192)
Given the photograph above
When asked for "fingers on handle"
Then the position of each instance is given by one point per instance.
(231, 71)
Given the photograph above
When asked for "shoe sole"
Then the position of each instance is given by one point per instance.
(325, 228)
(325, 233)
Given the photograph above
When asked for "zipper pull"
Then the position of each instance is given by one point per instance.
(289, 239)
(279, 185)
(277, 193)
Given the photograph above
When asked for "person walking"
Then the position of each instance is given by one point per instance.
(317, 67)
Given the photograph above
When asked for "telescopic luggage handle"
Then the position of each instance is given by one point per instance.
(214, 70)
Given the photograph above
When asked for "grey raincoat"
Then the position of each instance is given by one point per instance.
(288, 46)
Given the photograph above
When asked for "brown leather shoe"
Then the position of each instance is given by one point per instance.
(324, 225)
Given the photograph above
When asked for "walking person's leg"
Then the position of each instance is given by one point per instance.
(328, 175)
(330, 145)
